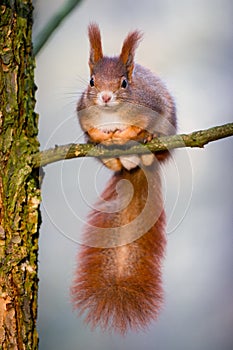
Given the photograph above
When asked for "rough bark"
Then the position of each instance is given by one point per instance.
(19, 182)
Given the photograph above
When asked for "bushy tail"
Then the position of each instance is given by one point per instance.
(118, 280)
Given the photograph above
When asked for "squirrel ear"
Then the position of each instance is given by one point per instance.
(128, 50)
(95, 44)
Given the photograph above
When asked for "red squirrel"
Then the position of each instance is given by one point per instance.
(118, 283)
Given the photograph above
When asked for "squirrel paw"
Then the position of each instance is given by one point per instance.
(112, 163)
(130, 162)
(147, 159)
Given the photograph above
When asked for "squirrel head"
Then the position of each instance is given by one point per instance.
(124, 62)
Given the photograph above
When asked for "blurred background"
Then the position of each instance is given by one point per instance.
(189, 44)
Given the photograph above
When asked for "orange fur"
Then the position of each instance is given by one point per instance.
(117, 283)
(119, 288)
(128, 51)
(96, 52)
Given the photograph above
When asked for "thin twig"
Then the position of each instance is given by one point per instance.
(53, 23)
(194, 139)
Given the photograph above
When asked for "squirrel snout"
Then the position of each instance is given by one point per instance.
(105, 97)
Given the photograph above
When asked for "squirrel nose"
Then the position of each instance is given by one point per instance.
(106, 97)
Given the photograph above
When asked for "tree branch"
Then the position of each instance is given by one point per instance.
(53, 23)
(194, 139)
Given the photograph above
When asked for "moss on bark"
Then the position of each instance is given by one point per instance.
(19, 183)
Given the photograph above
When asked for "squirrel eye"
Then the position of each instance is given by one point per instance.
(92, 83)
(124, 83)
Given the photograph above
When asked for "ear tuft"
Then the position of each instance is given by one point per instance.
(95, 44)
(128, 50)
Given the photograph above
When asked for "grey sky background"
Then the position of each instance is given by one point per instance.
(189, 44)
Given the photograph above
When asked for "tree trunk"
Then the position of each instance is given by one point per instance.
(19, 182)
